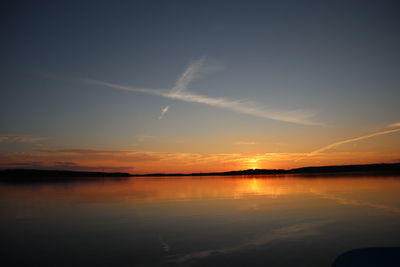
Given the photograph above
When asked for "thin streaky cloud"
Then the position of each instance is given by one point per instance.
(297, 117)
(328, 147)
(15, 138)
(159, 92)
(394, 125)
(245, 143)
(245, 107)
(179, 92)
(163, 111)
(184, 80)
(188, 75)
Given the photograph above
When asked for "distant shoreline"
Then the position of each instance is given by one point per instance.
(15, 175)
(372, 168)
(36, 175)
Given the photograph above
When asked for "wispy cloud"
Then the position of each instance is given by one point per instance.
(351, 140)
(394, 125)
(15, 138)
(130, 160)
(179, 92)
(163, 111)
(61, 165)
(139, 161)
(245, 143)
(191, 72)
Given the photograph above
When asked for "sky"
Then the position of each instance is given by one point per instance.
(198, 86)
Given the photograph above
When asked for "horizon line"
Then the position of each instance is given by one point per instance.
(197, 173)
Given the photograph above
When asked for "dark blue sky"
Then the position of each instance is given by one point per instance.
(326, 69)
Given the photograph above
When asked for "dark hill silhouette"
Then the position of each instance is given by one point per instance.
(386, 167)
(370, 168)
(26, 175)
(33, 175)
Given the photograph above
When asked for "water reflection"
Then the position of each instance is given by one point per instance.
(210, 221)
(301, 230)
(191, 188)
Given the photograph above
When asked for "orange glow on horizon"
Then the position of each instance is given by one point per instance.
(161, 162)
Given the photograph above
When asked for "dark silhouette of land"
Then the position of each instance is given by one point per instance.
(34, 175)
(370, 168)
(26, 175)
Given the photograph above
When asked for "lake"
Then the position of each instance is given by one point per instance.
(197, 221)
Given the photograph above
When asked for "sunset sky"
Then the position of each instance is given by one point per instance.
(198, 86)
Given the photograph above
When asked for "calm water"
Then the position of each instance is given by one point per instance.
(202, 221)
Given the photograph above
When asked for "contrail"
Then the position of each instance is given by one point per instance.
(188, 76)
(178, 92)
(322, 149)
(163, 111)
(233, 105)
(183, 81)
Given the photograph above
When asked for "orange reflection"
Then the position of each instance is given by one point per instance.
(244, 193)
(188, 189)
